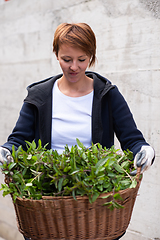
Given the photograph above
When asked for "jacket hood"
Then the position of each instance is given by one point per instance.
(39, 92)
(101, 84)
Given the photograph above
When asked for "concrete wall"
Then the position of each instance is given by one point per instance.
(128, 52)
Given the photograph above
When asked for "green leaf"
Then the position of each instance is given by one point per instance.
(76, 171)
(39, 144)
(100, 187)
(129, 154)
(95, 196)
(117, 196)
(100, 163)
(94, 149)
(31, 145)
(125, 181)
(112, 174)
(29, 184)
(35, 172)
(80, 144)
(13, 152)
(133, 184)
(29, 157)
(38, 196)
(60, 184)
(107, 196)
(117, 205)
(118, 168)
(11, 165)
(110, 205)
(84, 155)
(14, 197)
(125, 164)
(73, 194)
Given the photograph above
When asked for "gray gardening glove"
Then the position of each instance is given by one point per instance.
(144, 159)
(5, 156)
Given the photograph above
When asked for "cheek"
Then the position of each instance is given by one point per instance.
(63, 65)
(84, 65)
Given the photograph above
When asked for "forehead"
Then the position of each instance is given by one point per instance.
(69, 50)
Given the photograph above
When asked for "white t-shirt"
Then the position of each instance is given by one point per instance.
(71, 119)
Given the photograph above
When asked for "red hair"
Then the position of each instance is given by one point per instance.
(78, 35)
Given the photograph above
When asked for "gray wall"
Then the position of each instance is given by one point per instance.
(128, 52)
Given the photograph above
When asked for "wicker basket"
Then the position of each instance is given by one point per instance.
(65, 218)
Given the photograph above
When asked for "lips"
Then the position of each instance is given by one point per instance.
(73, 73)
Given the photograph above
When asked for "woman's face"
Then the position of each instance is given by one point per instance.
(73, 62)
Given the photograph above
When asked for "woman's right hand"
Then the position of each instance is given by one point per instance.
(5, 156)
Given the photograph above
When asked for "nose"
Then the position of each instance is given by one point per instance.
(74, 66)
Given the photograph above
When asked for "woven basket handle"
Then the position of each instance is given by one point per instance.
(138, 174)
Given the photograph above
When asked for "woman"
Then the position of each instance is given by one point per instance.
(77, 104)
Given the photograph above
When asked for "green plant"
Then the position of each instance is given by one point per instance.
(81, 171)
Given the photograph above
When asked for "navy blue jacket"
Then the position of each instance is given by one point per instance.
(110, 114)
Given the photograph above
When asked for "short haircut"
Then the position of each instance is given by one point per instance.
(78, 35)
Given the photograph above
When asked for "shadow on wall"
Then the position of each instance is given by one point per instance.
(154, 7)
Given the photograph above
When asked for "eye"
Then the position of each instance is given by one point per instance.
(82, 60)
(66, 60)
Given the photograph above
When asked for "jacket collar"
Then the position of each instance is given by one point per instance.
(101, 84)
(39, 92)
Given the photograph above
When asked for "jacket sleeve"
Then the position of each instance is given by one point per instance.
(24, 128)
(124, 125)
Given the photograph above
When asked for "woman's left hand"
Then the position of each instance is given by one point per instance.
(144, 159)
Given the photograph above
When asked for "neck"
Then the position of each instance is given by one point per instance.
(75, 89)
